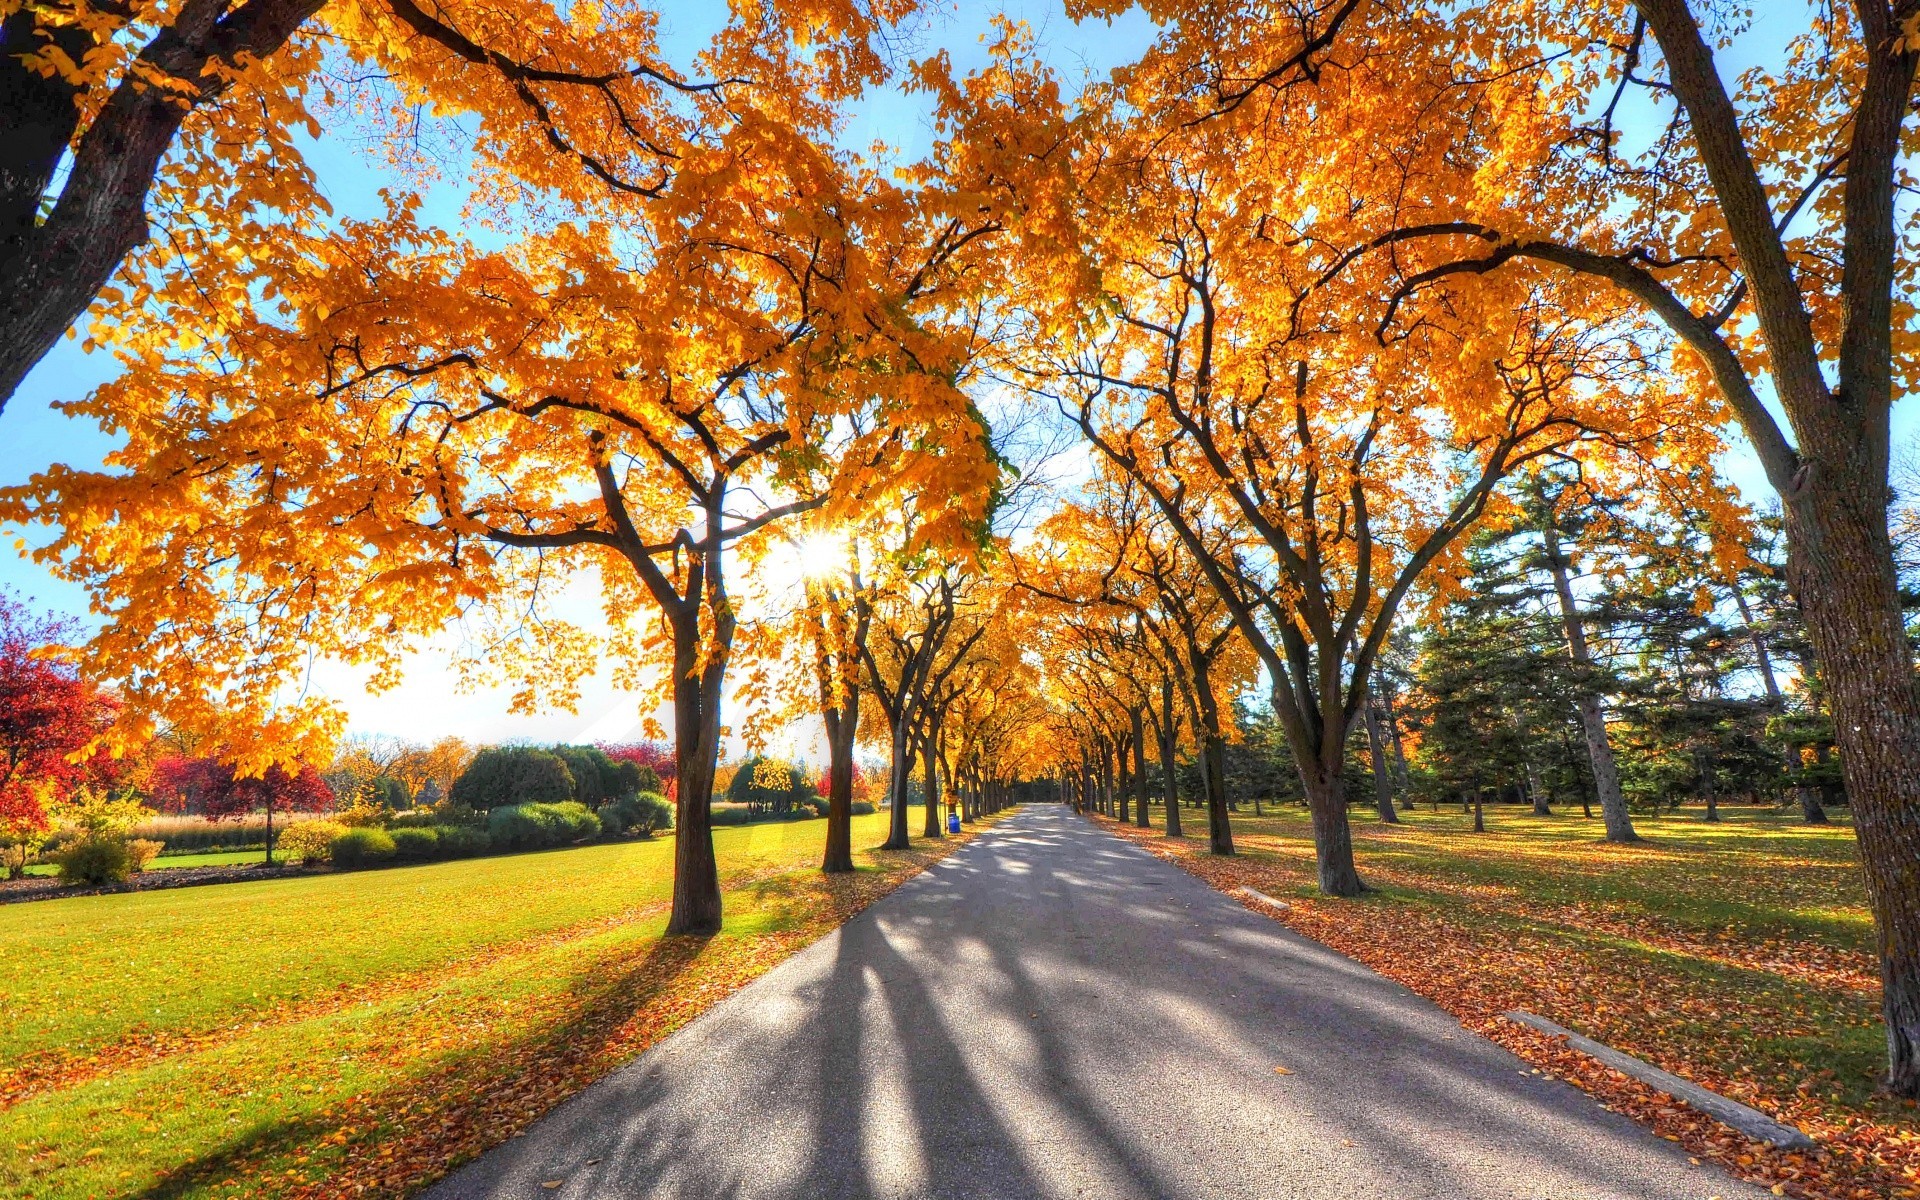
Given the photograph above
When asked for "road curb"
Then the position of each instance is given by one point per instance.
(1263, 898)
(1752, 1122)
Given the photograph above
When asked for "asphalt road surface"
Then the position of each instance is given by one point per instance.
(1052, 1012)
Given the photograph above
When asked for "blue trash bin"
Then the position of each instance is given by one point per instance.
(953, 822)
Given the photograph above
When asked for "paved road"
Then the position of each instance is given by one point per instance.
(1051, 1012)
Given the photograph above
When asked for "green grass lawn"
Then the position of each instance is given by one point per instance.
(209, 858)
(209, 1040)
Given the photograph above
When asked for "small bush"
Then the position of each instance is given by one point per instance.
(863, 809)
(415, 845)
(615, 816)
(652, 812)
(462, 841)
(729, 814)
(361, 847)
(308, 841)
(144, 851)
(414, 818)
(97, 860)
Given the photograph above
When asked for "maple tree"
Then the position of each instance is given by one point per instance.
(51, 718)
(187, 114)
(1187, 317)
(214, 789)
(638, 390)
(1754, 217)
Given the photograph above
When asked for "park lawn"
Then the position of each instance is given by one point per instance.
(369, 1030)
(1739, 955)
(207, 858)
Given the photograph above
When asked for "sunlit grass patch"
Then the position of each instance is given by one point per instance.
(364, 1031)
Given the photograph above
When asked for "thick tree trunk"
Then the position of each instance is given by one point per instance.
(696, 749)
(1593, 721)
(1811, 810)
(1479, 810)
(1122, 754)
(930, 751)
(1332, 836)
(901, 761)
(841, 729)
(1169, 778)
(1840, 563)
(1140, 787)
(1382, 782)
(1213, 761)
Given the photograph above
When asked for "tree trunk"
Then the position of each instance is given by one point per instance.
(1593, 721)
(269, 831)
(696, 750)
(1382, 782)
(1535, 792)
(841, 730)
(1140, 787)
(902, 764)
(1123, 754)
(1840, 563)
(1479, 810)
(1811, 810)
(1332, 836)
(1213, 764)
(1169, 779)
(930, 751)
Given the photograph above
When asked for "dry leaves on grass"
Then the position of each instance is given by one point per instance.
(1477, 968)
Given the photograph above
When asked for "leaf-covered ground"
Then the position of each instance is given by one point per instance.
(360, 1034)
(1738, 955)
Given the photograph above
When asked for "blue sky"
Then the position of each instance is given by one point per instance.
(427, 705)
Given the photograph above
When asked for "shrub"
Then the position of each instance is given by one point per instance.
(652, 813)
(575, 822)
(363, 814)
(862, 809)
(308, 841)
(615, 816)
(362, 847)
(97, 860)
(143, 851)
(414, 818)
(462, 841)
(538, 826)
(729, 814)
(512, 775)
(415, 845)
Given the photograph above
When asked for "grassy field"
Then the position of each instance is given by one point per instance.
(1740, 955)
(316, 1035)
(209, 858)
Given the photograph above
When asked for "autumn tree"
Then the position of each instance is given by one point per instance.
(50, 718)
(757, 338)
(185, 116)
(1755, 217)
(214, 789)
(1180, 320)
